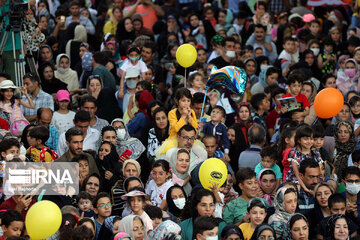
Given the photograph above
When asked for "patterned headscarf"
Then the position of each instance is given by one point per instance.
(330, 225)
(163, 228)
(343, 150)
(267, 196)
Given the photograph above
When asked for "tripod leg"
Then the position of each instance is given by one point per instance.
(16, 62)
(3, 42)
(22, 59)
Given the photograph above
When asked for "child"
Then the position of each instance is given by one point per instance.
(63, 117)
(196, 83)
(136, 199)
(315, 28)
(217, 128)
(355, 111)
(289, 56)
(9, 146)
(286, 143)
(129, 106)
(304, 141)
(102, 208)
(272, 119)
(38, 152)
(257, 213)
(158, 186)
(261, 105)
(133, 61)
(183, 114)
(319, 139)
(85, 204)
(155, 213)
(12, 224)
(327, 59)
(205, 228)
(269, 157)
(219, 198)
(294, 82)
(10, 104)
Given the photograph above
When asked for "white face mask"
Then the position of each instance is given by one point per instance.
(230, 54)
(315, 51)
(62, 70)
(121, 133)
(212, 238)
(263, 66)
(179, 203)
(352, 188)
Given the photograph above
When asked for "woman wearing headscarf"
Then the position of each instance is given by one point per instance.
(343, 115)
(125, 141)
(309, 90)
(107, 105)
(267, 76)
(285, 198)
(261, 62)
(349, 79)
(337, 227)
(65, 73)
(107, 162)
(125, 34)
(135, 126)
(134, 226)
(176, 205)
(302, 228)
(250, 68)
(49, 83)
(267, 190)
(239, 142)
(345, 143)
(264, 231)
(45, 55)
(163, 229)
(86, 64)
(230, 230)
(181, 176)
(73, 45)
(107, 228)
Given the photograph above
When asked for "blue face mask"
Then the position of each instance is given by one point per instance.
(134, 58)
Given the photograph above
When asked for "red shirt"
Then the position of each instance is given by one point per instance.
(11, 204)
(301, 99)
(271, 119)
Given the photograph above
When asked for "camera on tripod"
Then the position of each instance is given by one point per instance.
(17, 14)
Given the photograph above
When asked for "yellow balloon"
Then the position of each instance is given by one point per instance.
(213, 170)
(186, 55)
(43, 219)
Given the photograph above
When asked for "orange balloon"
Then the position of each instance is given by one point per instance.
(347, 1)
(328, 103)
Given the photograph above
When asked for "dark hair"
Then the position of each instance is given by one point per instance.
(196, 199)
(221, 109)
(269, 151)
(257, 134)
(296, 217)
(98, 196)
(186, 128)
(198, 97)
(307, 163)
(8, 143)
(276, 91)
(351, 171)
(183, 150)
(163, 164)
(172, 208)
(326, 76)
(303, 131)
(99, 58)
(353, 100)
(72, 132)
(228, 39)
(32, 76)
(40, 133)
(356, 156)
(153, 211)
(82, 233)
(130, 179)
(151, 45)
(289, 39)
(208, 137)
(5, 75)
(256, 203)
(83, 195)
(257, 100)
(296, 75)
(336, 198)
(259, 25)
(145, 85)
(106, 129)
(319, 131)
(86, 219)
(133, 48)
(285, 133)
(204, 223)
(40, 111)
(68, 222)
(82, 116)
(182, 92)
(267, 172)
(192, 76)
(83, 187)
(11, 216)
(87, 98)
(244, 174)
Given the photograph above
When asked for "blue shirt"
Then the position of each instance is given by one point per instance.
(42, 99)
(306, 203)
(53, 140)
(136, 125)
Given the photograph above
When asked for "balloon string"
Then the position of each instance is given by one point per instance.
(202, 108)
(185, 79)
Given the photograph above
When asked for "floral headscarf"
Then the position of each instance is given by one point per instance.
(330, 225)
(121, 236)
(163, 228)
(343, 150)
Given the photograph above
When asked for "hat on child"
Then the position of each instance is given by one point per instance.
(121, 236)
(308, 18)
(134, 193)
(7, 84)
(62, 95)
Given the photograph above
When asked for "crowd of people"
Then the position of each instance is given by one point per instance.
(109, 94)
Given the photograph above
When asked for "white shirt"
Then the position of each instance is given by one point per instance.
(157, 194)
(63, 122)
(140, 65)
(92, 136)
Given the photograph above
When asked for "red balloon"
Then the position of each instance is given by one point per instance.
(328, 103)
(347, 1)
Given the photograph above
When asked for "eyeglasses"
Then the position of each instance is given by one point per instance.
(266, 238)
(94, 76)
(353, 181)
(104, 205)
(121, 127)
(188, 138)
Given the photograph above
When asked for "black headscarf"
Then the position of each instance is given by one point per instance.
(123, 36)
(52, 86)
(239, 146)
(330, 225)
(170, 202)
(107, 106)
(231, 229)
(259, 229)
